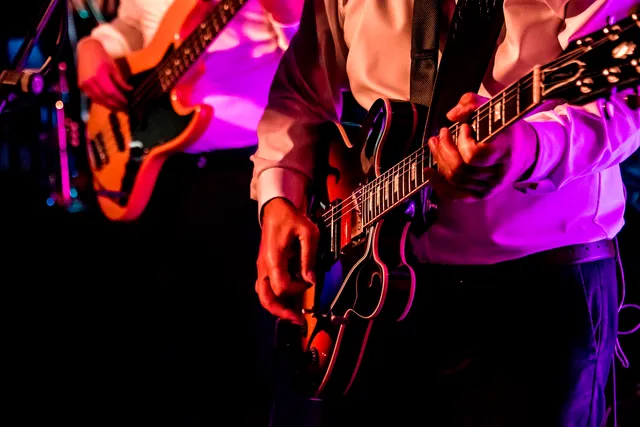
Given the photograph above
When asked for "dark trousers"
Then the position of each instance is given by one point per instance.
(188, 343)
(505, 345)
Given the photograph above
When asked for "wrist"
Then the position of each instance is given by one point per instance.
(89, 43)
(88, 40)
(275, 204)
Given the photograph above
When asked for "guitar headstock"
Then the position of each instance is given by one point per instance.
(594, 66)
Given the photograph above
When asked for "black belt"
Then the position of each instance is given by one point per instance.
(566, 255)
(563, 256)
(575, 254)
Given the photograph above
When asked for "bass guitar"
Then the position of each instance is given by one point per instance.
(362, 202)
(128, 148)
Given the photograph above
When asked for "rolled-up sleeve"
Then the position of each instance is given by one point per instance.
(574, 141)
(122, 35)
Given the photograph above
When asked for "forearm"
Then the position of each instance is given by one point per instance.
(576, 141)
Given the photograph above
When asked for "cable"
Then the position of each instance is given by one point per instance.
(618, 348)
(619, 354)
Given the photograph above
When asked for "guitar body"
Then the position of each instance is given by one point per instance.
(128, 149)
(363, 276)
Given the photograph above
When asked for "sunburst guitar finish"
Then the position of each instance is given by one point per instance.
(128, 148)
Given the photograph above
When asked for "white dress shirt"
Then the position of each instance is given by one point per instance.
(575, 194)
(239, 65)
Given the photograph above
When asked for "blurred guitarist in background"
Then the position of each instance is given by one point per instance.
(515, 319)
(197, 330)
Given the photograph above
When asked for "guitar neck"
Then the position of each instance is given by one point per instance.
(592, 67)
(407, 177)
(196, 43)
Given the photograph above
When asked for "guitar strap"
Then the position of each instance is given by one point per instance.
(471, 42)
(424, 50)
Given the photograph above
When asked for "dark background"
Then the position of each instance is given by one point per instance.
(64, 290)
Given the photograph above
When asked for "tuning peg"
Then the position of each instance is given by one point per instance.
(612, 74)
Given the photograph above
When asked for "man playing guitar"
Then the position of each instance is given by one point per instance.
(514, 319)
(187, 258)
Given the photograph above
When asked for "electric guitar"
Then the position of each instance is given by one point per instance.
(362, 202)
(128, 148)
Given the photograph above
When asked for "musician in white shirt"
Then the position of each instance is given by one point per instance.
(194, 242)
(534, 340)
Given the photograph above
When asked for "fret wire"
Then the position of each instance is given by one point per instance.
(518, 98)
(504, 101)
(196, 43)
(390, 179)
(490, 118)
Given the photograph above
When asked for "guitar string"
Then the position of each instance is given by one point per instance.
(329, 216)
(568, 56)
(365, 193)
(152, 81)
(402, 168)
(149, 87)
(350, 204)
(454, 129)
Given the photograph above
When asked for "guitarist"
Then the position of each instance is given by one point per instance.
(512, 323)
(196, 241)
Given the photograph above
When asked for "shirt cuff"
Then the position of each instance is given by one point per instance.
(549, 135)
(111, 39)
(280, 182)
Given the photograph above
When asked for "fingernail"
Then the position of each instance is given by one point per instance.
(442, 132)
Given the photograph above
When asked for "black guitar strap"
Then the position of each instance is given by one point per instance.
(471, 42)
(424, 50)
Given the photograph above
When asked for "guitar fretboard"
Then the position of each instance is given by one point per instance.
(194, 45)
(408, 176)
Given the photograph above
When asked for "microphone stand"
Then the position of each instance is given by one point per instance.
(27, 45)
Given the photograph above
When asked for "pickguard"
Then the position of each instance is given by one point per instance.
(149, 129)
(155, 122)
(152, 122)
